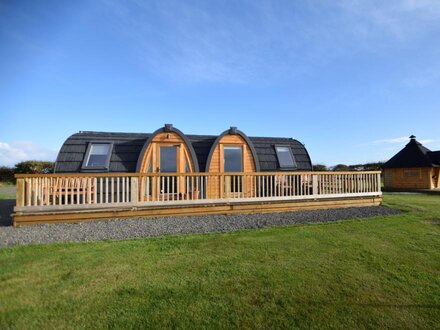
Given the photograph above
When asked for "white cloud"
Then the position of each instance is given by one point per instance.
(402, 140)
(17, 151)
(391, 140)
(262, 40)
(400, 18)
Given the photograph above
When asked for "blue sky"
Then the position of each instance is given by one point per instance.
(351, 79)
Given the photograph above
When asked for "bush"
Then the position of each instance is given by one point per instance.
(320, 167)
(341, 167)
(34, 167)
(7, 174)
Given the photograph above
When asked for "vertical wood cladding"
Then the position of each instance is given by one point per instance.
(167, 139)
(216, 189)
(234, 140)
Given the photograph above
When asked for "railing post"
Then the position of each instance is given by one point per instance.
(379, 183)
(314, 184)
(134, 189)
(20, 192)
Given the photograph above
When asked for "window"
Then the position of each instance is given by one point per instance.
(411, 173)
(233, 159)
(285, 157)
(233, 162)
(98, 156)
(168, 159)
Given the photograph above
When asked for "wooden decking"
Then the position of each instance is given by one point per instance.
(83, 197)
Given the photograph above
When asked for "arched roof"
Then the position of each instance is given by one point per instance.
(129, 148)
(124, 157)
(233, 131)
(168, 128)
(267, 156)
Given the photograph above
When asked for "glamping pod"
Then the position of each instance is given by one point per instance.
(101, 175)
(170, 150)
(414, 167)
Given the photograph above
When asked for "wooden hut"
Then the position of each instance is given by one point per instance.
(415, 167)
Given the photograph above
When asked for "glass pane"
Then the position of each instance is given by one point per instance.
(168, 159)
(99, 149)
(98, 154)
(97, 160)
(233, 159)
(285, 157)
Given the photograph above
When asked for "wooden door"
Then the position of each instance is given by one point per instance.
(233, 162)
(167, 161)
(436, 178)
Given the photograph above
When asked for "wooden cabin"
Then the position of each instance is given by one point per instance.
(102, 175)
(170, 150)
(415, 167)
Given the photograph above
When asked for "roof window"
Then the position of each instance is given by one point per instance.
(97, 156)
(285, 157)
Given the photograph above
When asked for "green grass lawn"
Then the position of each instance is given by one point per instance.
(375, 273)
(5, 190)
(7, 196)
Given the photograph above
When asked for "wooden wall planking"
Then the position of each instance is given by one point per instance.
(167, 138)
(409, 178)
(217, 163)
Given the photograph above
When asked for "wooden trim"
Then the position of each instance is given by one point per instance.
(22, 218)
(114, 174)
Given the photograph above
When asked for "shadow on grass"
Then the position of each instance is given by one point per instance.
(6, 209)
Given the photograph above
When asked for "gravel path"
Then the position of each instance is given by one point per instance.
(134, 228)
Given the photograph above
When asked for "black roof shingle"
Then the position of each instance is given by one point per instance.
(127, 148)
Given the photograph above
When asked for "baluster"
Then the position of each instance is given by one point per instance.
(100, 190)
(147, 186)
(123, 189)
(112, 190)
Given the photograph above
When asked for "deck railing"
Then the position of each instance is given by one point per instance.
(109, 189)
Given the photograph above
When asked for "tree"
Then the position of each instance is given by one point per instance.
(341, 167)
(34, 167)
(320, 167)
(6, 174)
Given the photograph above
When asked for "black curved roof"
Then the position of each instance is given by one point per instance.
(127, 148)
(414, 155)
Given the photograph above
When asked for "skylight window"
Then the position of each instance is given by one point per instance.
(98, 156)
(285, 157)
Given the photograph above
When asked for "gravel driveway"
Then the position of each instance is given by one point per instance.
(138, 227)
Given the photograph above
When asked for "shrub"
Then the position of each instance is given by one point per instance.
(7, 174)
(341, 167)
(320, 167)
(34, 167)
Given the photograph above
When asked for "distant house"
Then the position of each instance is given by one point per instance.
(412, 168)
